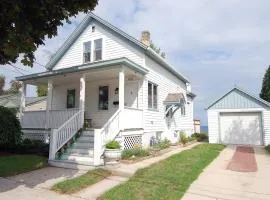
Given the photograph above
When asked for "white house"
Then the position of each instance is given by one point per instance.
(239, 117)
(116, 85)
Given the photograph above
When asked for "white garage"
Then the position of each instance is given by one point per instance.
(239, 118)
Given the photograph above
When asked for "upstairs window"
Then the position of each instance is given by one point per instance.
(152, 96)
(87, 52)
(98, 50)
(103, 102)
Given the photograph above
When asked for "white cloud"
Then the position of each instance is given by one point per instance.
(215, 43)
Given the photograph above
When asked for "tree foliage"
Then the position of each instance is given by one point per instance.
(25, 24)
(265, 91)
(157, 50)
(14, 87)
(42, 90)
(10, 128)
(2, 84)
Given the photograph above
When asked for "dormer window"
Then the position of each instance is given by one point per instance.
(87, 52)
(98, 49)
(93, 29)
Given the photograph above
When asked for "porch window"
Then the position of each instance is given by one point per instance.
(152, 95)
(87, 52)
(103, 103)
(71, 98)
(98, 50)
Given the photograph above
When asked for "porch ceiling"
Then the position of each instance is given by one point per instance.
(93, 71)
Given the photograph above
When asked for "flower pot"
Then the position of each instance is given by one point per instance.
(112, 156)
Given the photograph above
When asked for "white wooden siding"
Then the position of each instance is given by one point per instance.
(154, 120)
(266, 128)
(113, 47)
(213, 126)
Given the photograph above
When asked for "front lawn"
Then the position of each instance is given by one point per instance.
(15, 164)
(81, 182)
(168, 179)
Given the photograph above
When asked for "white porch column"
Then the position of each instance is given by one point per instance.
(121, 96)
(82, 95)
(22, 103)
(49, 103)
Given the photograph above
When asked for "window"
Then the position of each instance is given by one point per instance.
(71, 98)
(98, 50)
(87, 52)
(93, 29)
(183, 110)
(103, 101)
(152, 95)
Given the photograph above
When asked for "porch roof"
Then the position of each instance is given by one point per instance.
(88, 66)
(174, 98)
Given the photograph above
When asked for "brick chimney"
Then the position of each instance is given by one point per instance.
(145, 38)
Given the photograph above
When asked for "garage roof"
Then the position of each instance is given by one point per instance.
(238, 99)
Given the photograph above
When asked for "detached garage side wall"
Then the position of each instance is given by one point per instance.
(213, 126)
(266, 128)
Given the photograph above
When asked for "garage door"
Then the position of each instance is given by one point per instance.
(241, 128)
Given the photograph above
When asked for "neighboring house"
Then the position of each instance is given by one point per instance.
(239, 118)
(31, 103)
(116, 85)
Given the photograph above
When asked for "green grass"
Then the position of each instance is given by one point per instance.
(168, 179)
(16, 164)
(81, 182)
(267, 148)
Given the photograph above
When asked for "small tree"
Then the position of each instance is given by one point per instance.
(14, 87)
(10, 128)
(42, 91)
(2, 84)
(265, 92)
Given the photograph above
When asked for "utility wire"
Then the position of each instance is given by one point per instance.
(17, 69)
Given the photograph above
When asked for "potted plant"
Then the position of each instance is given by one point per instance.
(112, 152)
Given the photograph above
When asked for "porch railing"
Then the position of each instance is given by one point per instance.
(65, 132)
(38, 119)
(108, 132)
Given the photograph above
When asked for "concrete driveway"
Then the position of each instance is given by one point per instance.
(218, 182)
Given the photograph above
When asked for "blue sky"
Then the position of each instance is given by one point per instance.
(216, 44)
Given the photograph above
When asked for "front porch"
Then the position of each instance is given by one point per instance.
(103, 101)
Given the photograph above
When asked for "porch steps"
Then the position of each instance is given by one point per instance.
(80, 155)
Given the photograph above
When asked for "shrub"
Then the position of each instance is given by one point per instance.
(33, 147)
(135, 152)
(183, 137)
(268, 148)
(10, 128)
(163, 144)
(112, 144)
(200, 137)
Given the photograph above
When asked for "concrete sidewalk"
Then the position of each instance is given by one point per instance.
(36, 184)
(217, 182)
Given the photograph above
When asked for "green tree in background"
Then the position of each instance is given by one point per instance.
(2, 84)
(25, 24)
(42, 90)
(265, 92)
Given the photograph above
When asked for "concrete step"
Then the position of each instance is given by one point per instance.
(72, 164)
(89, 133)
(85, 139)
(83, 145)
(82, 151)
(77, 159)
(79, 154)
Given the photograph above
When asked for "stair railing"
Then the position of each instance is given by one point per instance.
(59, 137)
(108, 132)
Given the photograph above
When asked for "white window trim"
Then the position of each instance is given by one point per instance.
(92, 48)
(152, 108)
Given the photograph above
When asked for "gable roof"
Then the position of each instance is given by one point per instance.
(254, 97)
(83, 25)
(13, 100)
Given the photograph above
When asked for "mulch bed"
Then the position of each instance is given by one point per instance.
(243, 160)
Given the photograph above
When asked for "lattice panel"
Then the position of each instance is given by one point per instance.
(132, 141)
(44, 137)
